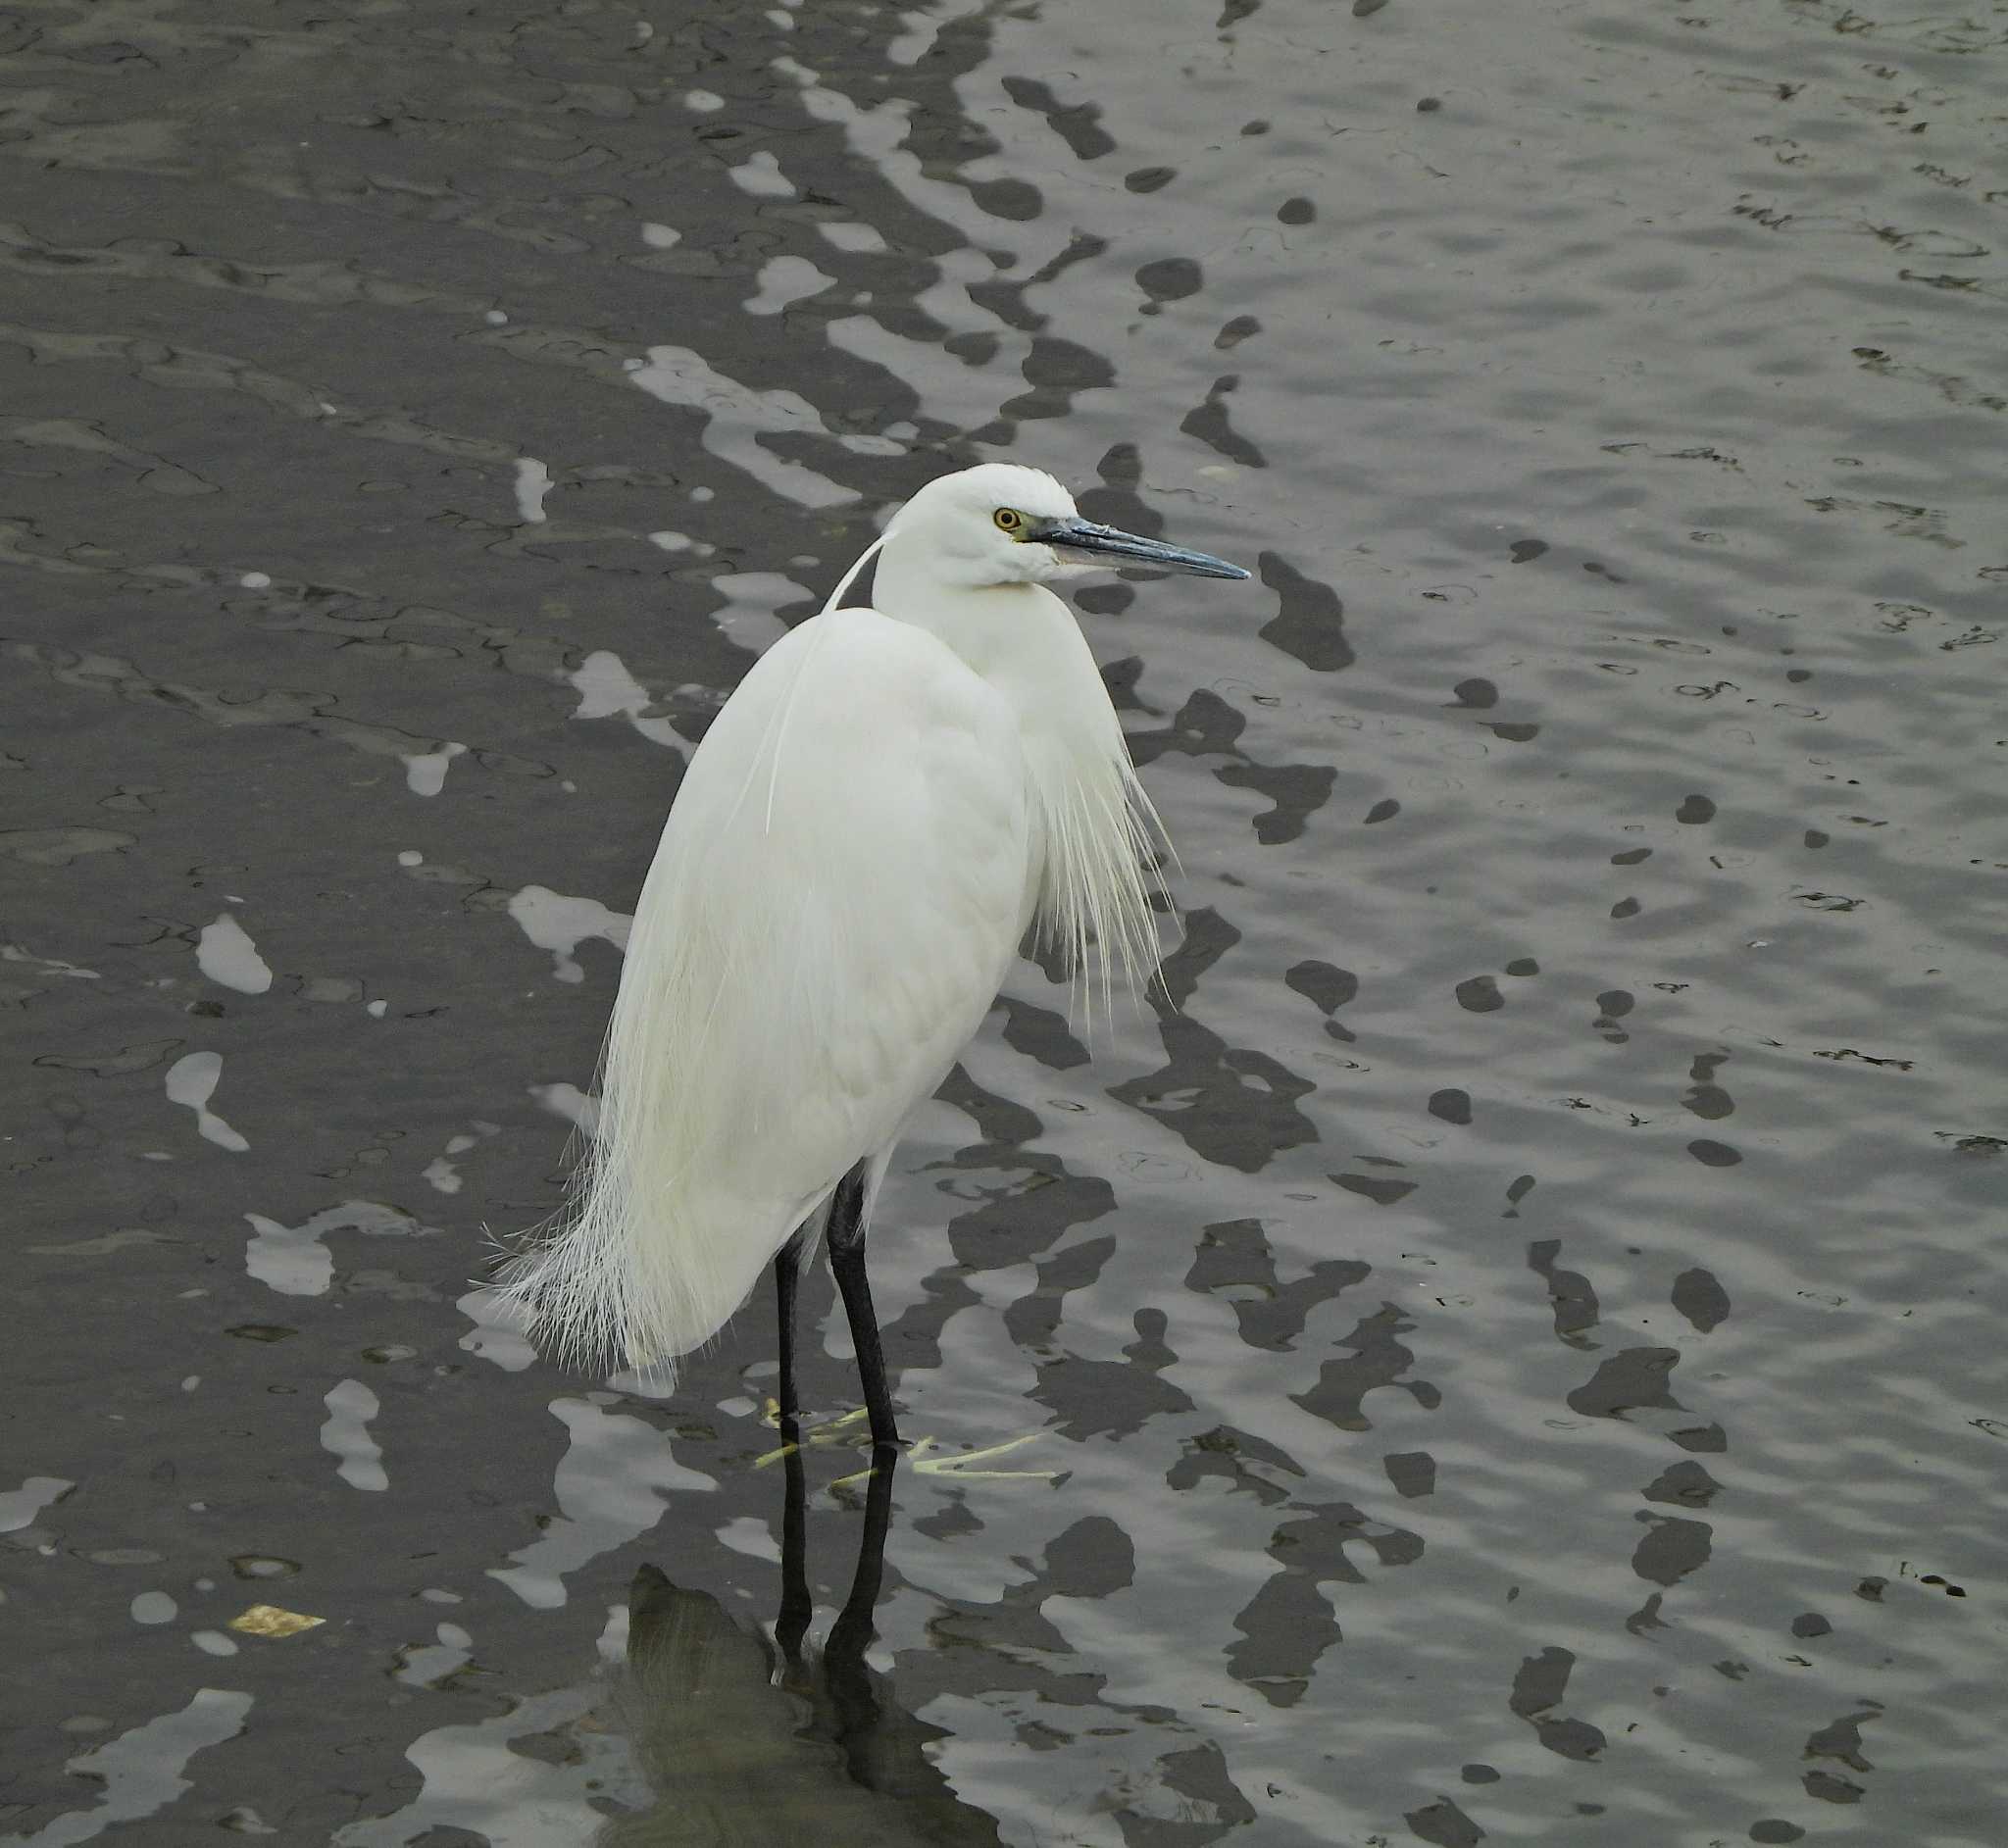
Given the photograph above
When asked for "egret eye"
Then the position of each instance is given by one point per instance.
(1008, 519)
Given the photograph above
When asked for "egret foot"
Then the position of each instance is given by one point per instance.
(922, 1460)
(835, 1430)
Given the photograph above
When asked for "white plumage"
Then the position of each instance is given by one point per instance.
(860, 842)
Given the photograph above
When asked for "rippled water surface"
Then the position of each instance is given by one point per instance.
(1514, 1342)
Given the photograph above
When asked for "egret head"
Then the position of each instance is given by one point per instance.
(1001, 524)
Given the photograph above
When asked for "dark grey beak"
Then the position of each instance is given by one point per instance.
(1108, 546)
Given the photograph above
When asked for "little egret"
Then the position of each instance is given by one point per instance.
(887, 802)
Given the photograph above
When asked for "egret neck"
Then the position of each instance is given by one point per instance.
(1092, 824)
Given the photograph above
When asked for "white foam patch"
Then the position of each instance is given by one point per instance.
(607, 690)
(760, 175)
(784, 280)
(351, 1406)
(428, 1664)
(140, 1772)
(738, 416)
(474, 1781)
(924, 27)
(752, 1538)
(878, 133)
(661, 236)
(19, 953)
(852, 235)
(613, 1638)
(442, 1172)
(192, 1082)
(20, 1506)
(498, 1335)
(226, 954)
(533, 484)
(291, 1259)
(560, 924)
(611, 1484)
(571, 1103)
(425, 774)
(751, 601)
(973, 395)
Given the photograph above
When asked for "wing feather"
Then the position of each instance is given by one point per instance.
(806, 963)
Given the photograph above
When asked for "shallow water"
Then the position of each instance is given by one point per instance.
(1514, 1351)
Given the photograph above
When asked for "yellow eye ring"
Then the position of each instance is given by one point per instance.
(1008, 519)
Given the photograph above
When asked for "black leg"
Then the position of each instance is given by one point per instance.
(788, 1272)
(847, 1261)
(852, 1630)
(796, 1606)
(854, 1692)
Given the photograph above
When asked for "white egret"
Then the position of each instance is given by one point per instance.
(886, 803)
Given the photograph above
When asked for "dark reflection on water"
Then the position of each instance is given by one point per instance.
(750, 1741)
(1508, 1337)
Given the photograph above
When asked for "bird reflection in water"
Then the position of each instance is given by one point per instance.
(747, 1740)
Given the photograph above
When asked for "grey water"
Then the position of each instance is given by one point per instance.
(1509, 1342)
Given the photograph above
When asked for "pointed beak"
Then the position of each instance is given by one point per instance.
(1107, 545)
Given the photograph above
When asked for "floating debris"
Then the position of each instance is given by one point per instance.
(267, 1620)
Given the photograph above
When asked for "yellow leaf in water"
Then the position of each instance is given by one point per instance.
(267, 1620)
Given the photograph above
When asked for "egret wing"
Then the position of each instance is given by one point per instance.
(842, 881)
